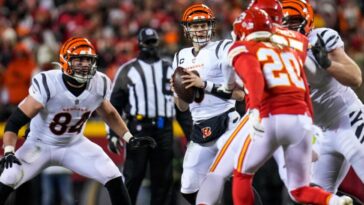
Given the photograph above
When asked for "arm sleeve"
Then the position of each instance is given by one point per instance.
(248, 68)
(16, 120)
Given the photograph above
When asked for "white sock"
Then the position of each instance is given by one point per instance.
(334, 200)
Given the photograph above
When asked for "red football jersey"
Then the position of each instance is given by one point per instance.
(273, 74)
(293, 39)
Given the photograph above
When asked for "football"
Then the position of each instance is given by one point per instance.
(187, 95)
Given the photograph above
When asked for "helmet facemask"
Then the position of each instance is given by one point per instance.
(83, 67)
(77, 59)
(295, 23)
(200, 32)
(298, 15)
(198, 23)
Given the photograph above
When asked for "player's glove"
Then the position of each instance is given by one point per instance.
(320, 53)
(114, 144)
(257, 129)
(8, 160)
(142, 142)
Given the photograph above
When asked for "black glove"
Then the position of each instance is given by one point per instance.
(8, 160)
(114, 144)
(320, 53)
(142, 142)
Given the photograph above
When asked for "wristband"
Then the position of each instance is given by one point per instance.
(127, 136)
(208, 86)
(9, 148)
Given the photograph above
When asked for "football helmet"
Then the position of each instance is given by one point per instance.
(298, 15)
(253, 24)
(198, 23)
(77, 47)
(272, 7)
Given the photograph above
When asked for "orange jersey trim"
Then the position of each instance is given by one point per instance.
(243, 154)
(227, 144)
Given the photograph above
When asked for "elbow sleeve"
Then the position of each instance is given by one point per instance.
(16, 120)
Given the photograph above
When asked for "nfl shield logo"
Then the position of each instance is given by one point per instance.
(206, 132)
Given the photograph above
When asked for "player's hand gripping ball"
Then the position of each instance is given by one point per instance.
(186, 94)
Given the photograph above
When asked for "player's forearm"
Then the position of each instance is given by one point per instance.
(238, 94)
(9, 139)
(181, 105)
(347, 74)
(116, 123)
(344, 69)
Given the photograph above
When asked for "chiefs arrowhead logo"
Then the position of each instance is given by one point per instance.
(206, 132)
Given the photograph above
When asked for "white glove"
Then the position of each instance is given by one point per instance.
(256, 129)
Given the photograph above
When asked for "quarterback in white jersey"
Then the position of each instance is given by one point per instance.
(215, 115)
(337, 109)
(57, 107)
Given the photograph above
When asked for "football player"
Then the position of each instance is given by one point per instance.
(223, 165)
(57, 107)
(215, 115)
(331, 73)
(279, 110)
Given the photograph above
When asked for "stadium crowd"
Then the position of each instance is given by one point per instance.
(32, 30)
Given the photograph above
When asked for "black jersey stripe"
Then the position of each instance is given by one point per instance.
(322, 34)
(217, 49)
(37, 84)
(105, 86)
(44, 81)
(334, 42)
(229, 42)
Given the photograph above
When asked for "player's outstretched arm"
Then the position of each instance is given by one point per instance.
(344, 69)
(337, 63)
(112, 118)
(27, 109)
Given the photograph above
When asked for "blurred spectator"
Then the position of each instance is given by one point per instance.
(57, 181)
(17, 77)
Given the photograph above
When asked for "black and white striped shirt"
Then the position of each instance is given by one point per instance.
(143, 89)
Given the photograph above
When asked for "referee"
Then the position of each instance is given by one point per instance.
(141, 92)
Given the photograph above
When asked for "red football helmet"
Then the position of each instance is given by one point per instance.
(253, 24)
(272, 7)
(76, 47)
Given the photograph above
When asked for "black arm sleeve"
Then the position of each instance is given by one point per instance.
(16, 120)
(185, 120)
(218, 91)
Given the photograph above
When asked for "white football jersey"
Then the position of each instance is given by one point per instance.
(63, 118)
(330, 99)
(212, 65)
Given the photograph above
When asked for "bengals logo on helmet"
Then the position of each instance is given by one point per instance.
(298, 15)
(77, 47)
(198, 13)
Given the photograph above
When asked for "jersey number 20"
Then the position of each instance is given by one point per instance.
(281, 69)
